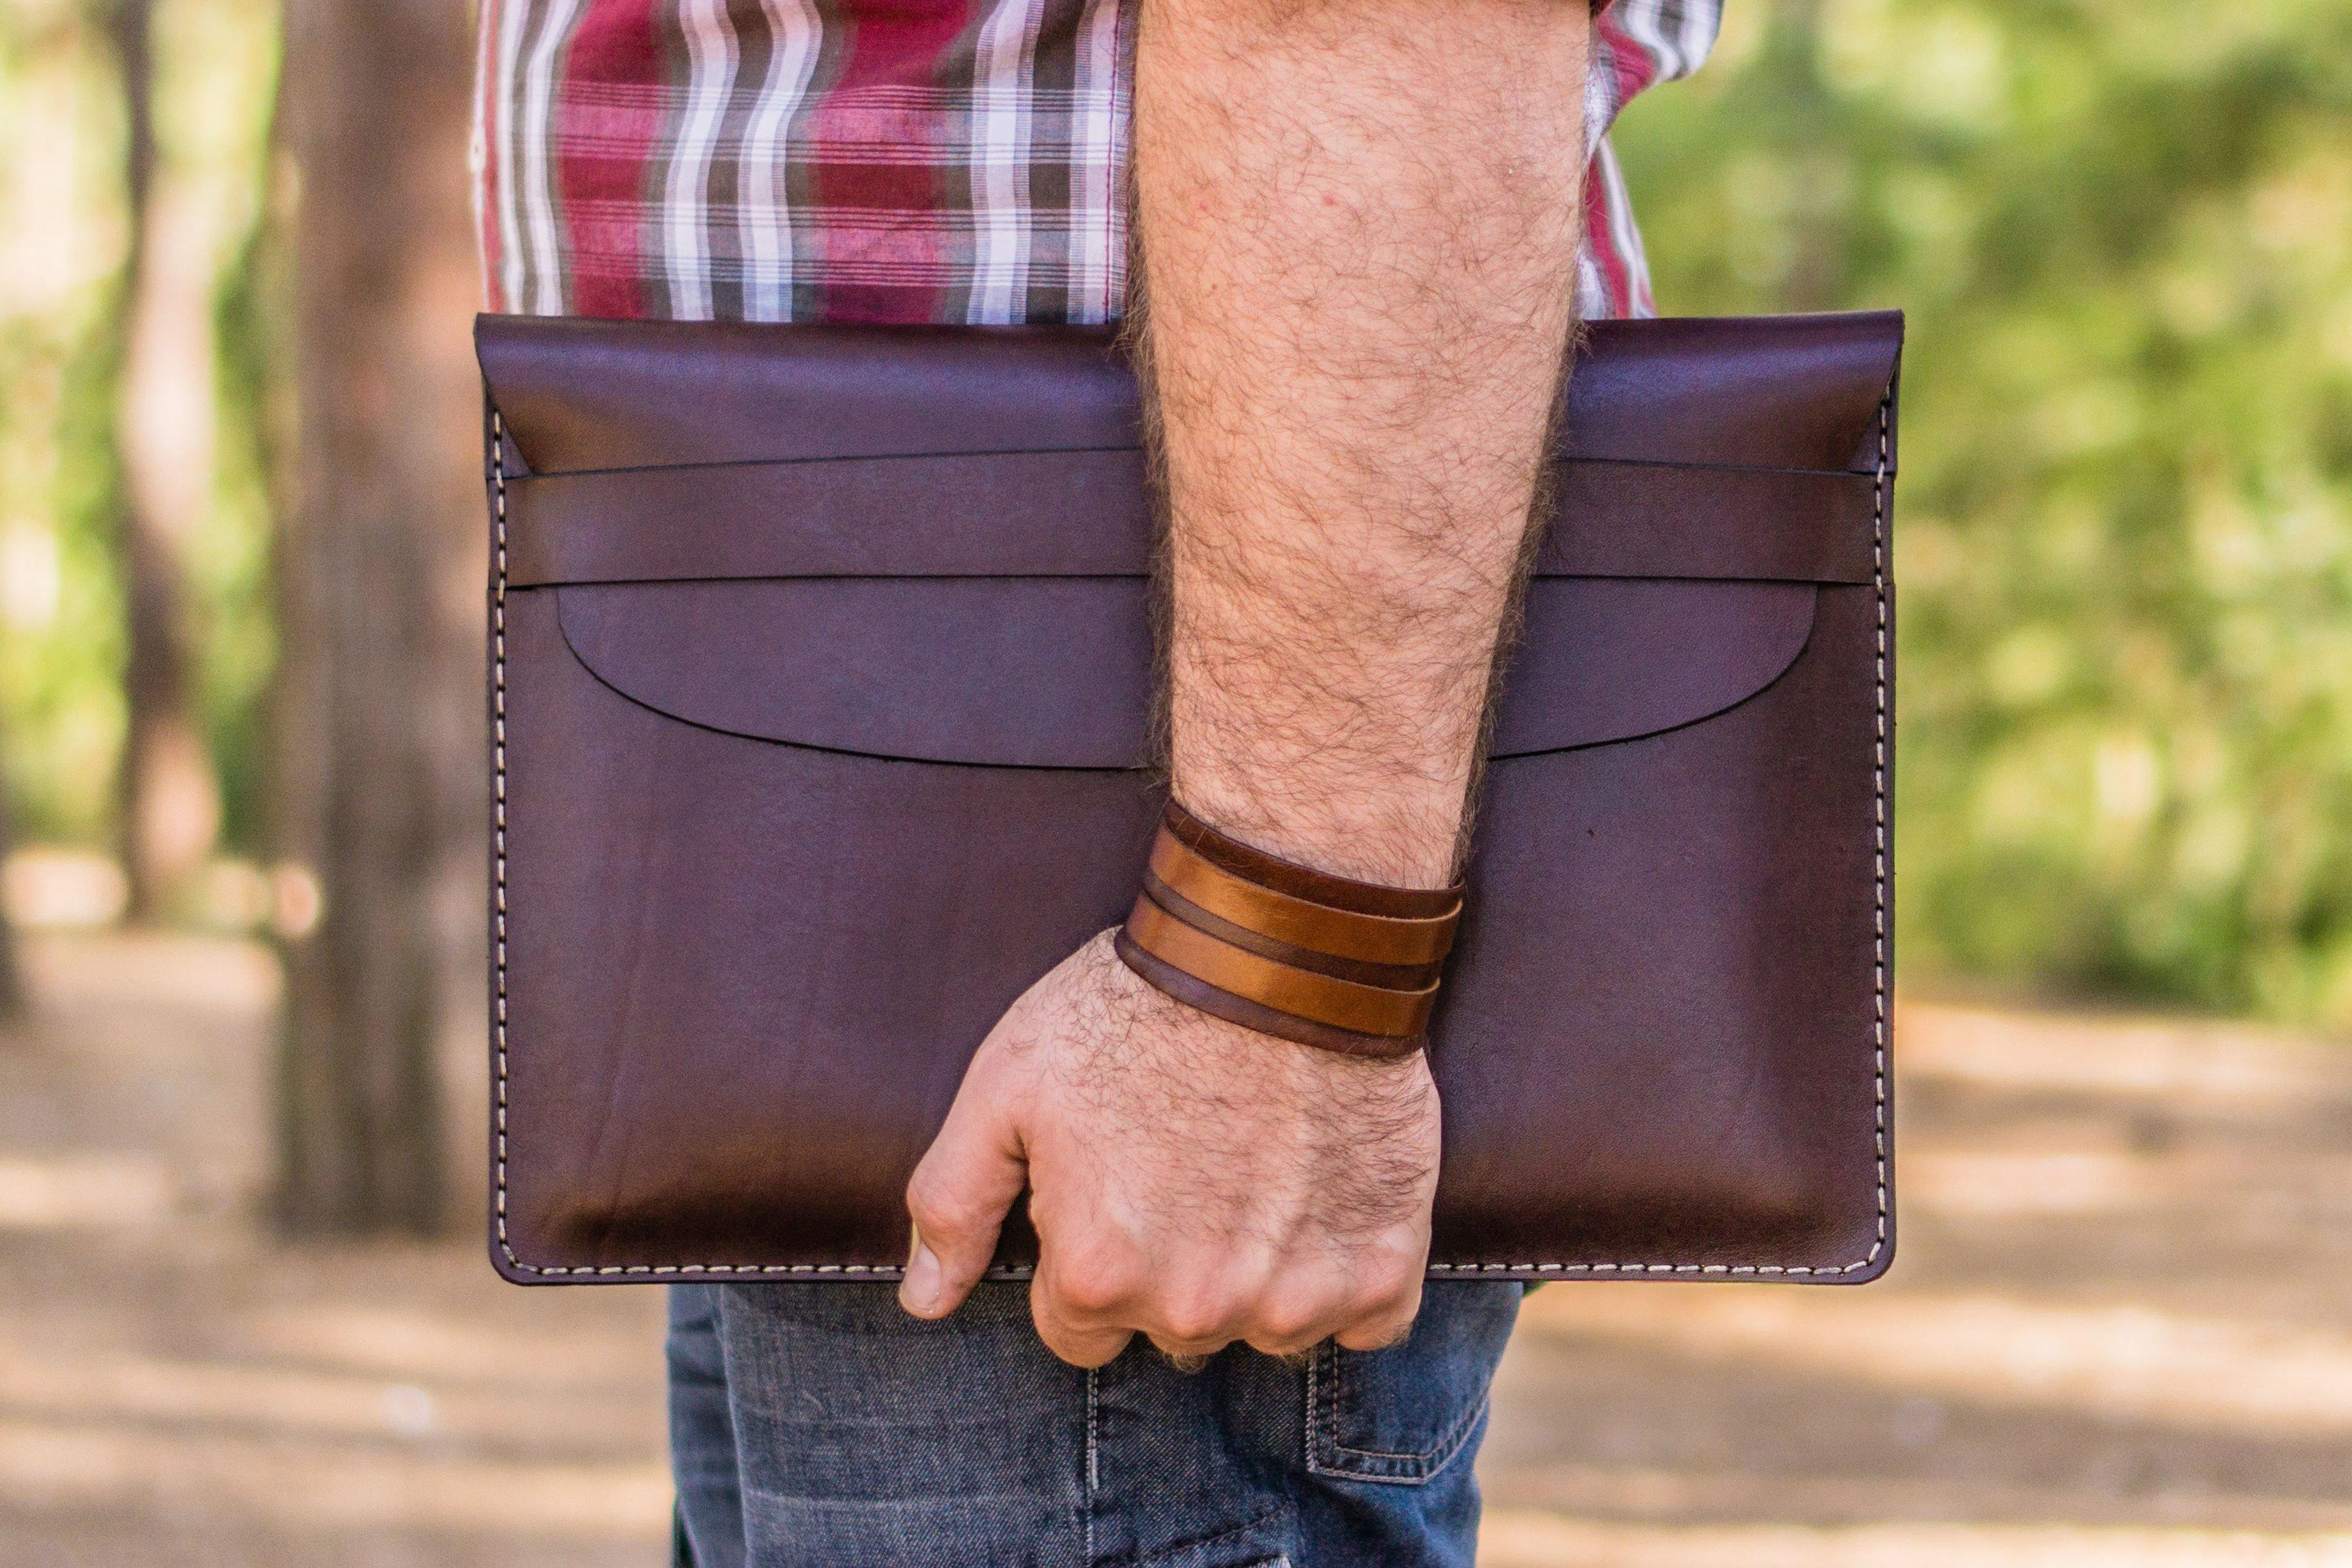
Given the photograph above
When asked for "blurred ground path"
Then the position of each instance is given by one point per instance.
(177, 1390)
(2120, 1331)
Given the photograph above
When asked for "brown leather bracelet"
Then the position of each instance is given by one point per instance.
(1286, 950)
(1391, 976)
(1202, 996)
(1303, 993)
(1338, 893)
(1317, 927)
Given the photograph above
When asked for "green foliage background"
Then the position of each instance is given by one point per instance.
(2123, 231)
(2121, 228)
(63, 243)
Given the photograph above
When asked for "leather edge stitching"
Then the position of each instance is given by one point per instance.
(1881, 974)
(498, 478)
(1879, 965)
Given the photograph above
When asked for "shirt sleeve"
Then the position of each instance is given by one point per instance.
(1637, 44)
(1641, 43)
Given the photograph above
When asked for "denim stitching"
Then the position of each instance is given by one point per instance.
(1208, 1543)
(1451, 1439)
(1094, 1452)
(1323, 1432)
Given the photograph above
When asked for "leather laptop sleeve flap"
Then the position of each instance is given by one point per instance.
(822, 679)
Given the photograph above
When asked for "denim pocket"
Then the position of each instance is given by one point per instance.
(1402, 1415)
(1257, 1544)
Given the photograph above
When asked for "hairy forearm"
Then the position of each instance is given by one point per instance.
(1358, 224)
(1359, 220)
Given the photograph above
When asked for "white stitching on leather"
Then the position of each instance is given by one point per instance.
(1879, 969)
(499, 814)
(1879, 975)
(499, 942)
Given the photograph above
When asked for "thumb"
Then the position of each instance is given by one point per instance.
(959, 1197)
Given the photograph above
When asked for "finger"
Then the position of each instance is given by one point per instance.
(1390, 1324)
(1189, 1354)
(1278, 1333)
(959, 1197)
(1078, 1340)
(1199, 1311)
(1307, 1309)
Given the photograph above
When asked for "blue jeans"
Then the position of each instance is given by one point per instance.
(820, 1425)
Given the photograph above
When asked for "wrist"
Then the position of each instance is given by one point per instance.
(1376, 792)
(1166, 1034)
(1400, 832)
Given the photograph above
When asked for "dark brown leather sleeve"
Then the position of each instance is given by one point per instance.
(821, 688)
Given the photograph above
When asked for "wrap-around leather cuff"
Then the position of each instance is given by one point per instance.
(1343, 966)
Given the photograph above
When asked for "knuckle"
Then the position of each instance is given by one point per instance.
(1387, 1304)
(1071, 1343)
(1375, 1337)
(1389, 1323)
(1389, 1276)
(1187, 1332)
(1293, 1318)
(1196, 1317)
(1093, 1352)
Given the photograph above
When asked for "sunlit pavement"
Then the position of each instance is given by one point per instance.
(2120, 1331)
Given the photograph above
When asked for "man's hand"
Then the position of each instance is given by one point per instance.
(1193, 1181)
(1358, 224)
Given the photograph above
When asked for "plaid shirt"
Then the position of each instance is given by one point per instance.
(945, 161)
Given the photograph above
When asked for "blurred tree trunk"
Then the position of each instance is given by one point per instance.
(169, 802)
(14, 1001)
(378, 786)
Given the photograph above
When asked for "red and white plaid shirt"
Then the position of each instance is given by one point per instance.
(915, 161)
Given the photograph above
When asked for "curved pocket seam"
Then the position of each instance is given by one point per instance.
(1771, 652)
(1324, 1388)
